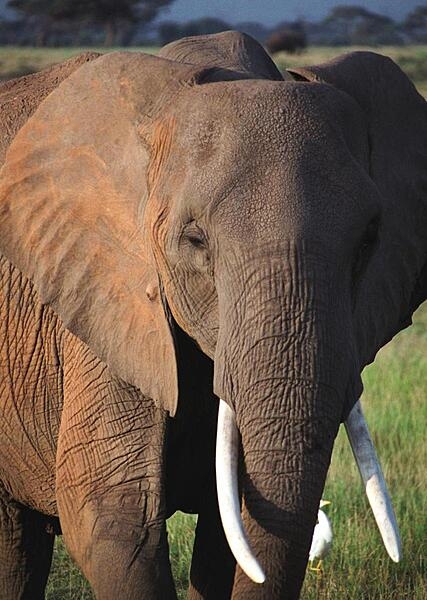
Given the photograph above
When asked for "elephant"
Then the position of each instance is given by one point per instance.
(189, 238)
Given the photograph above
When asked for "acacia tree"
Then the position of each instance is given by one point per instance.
(110, 14)
(354, 24)
(415, 24)
(45, 12)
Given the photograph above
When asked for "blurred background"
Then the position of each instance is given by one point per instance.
(157, 22)
(37, 33)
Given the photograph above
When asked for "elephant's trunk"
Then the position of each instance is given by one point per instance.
(286, 459)
(283, 364)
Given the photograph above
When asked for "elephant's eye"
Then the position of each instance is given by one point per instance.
(371, 232)
(196, 239)
(194, 236)
(194, 245)
(365, 248)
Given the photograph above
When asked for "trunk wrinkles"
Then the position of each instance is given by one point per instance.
(282, 363)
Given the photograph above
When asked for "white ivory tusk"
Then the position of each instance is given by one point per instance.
(227, 453)
(373, 480)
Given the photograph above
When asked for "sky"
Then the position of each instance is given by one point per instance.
(269, 12)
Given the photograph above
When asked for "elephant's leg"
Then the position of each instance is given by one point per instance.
(25, 551)
(213, 565)
(110, 483)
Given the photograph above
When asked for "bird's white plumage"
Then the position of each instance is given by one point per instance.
(322, 536)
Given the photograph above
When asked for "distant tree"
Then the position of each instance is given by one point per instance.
(171, 30)
(44, 11)
(374, 30)
(110, 14)
(205, 26)
(256, 30)
(415, 24)
(34, 7)
(417, 18)
(348, 12)
(352, 24)
(3, 32)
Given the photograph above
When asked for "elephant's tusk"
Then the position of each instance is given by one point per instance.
(373, 480)
(227, 453)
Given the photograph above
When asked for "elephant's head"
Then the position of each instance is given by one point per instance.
(281, 223)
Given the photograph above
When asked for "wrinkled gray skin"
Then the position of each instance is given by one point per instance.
(186, 225)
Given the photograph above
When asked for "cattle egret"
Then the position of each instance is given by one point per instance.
(322, 539)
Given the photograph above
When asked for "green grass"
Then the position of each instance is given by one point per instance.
(66, 581)
(181, 536)
(17, 61)
(358, 567)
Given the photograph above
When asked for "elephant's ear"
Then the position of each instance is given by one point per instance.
(395, 281)
(229, 50)
(20, 97)
(72, 212)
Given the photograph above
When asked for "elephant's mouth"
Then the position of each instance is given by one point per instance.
(227, 453)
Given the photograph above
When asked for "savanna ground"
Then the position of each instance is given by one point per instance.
(395, 403)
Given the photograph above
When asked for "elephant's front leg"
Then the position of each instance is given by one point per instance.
(25, 550)
(213, 565)
(110, 484)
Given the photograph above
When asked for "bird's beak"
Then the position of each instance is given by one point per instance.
(324, 503)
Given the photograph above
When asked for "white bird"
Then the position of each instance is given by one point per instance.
(322, 538)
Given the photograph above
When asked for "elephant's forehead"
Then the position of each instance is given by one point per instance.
(248, 114)
(254, 148)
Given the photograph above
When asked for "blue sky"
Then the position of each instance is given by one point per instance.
(273, 11)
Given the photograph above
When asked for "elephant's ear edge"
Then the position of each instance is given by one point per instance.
(396, 117)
